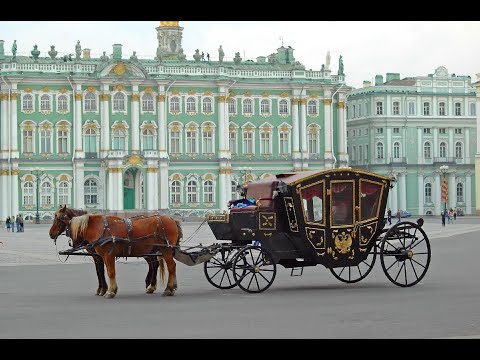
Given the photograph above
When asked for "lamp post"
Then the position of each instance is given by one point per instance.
(37, 172)
(246, 170)
(444, 170)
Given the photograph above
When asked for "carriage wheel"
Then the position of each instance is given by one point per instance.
(218, 270)
(353, 274)
(254, 269)
(405, 254)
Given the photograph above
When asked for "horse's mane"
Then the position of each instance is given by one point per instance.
(78, 225)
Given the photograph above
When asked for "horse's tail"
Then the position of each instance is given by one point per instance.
(180, 232)
(161, 268)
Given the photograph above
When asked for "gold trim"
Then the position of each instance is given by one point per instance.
(175, 92)
(221, 99)
(78, 97)
(134, 160)
(284, 94)
(152, 170)
(169, 23)
(265, 94)
(207, 93)
(323, 202)
(4, 172)
(341, 105)
(313, 95)
(267, 221)
(315, 241)
(28, 90)
(218, 218)
(45, 89)
(293, 223)
(135, 97)
(14, 96)
(63, 91)
(16, 172)
(327, 173)
(247, 94)
(161, 98)
(115, 170)
(295, 101)
(148, 90)
(303, 102)
(119, 87)
(91, 89)
(4, 96)
(104, 97)
(191, 92)
(119, 69)
(349, 225)
(327, 101)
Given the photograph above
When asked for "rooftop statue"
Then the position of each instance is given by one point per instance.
(221, 54)
(53, 53)
(327, 62)
(14, 50)
(35, 52)
(134, 56)
(340, 66)
(104, 57)
(78, 50)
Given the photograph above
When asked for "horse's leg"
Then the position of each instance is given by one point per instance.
(110, 264)
(172, 273)
(151, 279)
(102, 283)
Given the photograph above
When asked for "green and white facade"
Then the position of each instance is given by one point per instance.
(409, 128)
(121, 134)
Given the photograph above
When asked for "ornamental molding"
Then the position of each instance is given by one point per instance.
(161, 98)
(327, 101)
(148, 90)
(91, 89)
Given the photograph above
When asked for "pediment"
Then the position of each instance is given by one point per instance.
(124, 68)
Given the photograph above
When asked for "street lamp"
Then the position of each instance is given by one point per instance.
(38, 173)
(246, 170)
(444, 170)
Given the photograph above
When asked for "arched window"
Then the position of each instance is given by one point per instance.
(207, 105)
(191, 104)
(45, 103)
(428, 193)
(90, 190)
(192, 192)
(441, 109)
(265, 107)
(119, 102)
(312, 108)
(459, 192)
(396, 150)
(62, 103)
(148, 139)
(379, 150)
(283, 107)
(174, 104)
(119, 139)
(427, 150)
(458, 149)
(248, 106)
(46, 193)
(90, 141)
(28, 193)
(443, 150)
(208, 192)
(90, 102)
(232, 106)
(147, 102)
(27, 102)
(63, 193)
(458, 109)
(175, 192)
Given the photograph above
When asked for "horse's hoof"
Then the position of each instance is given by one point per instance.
(102, 292)
(150, 290)
(168, 292)
(109, 295)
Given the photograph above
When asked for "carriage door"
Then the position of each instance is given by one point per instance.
(343, 221)
(312, 198)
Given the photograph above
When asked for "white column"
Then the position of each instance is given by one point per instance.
(222, 128)
(295, 129)
(404, 143)
(77, 124)
(327, 105)
(342, 149)
(164, 185)
(105, 124)
(14, 180)
(152, 186)
(467, 145)
(162, 127)
(468, 194)
(119, 187)
(420, 194)
(4, 125)
(13, 127)
(388, 145)
(228, 180)
(419, 147)
(222, 183)
(451, 145)
(394, 194)
(402, 190)
(303, 128)
(435, 142)
(477, 157)
(135, 120)
(4, 191)
(438, 194)
(452, 190)
(111, 189)
(79, 189)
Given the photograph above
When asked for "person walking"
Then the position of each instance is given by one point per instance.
(389, 216)
(443, 218)
(399, 216)
(21, 223)
(8, 222)
(455, 214)
(17, 223)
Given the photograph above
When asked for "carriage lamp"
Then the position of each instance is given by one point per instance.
(246, 171)
(444, 171)
(38, 173)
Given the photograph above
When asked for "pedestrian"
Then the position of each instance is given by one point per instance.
(8, 223)
(447, 214)
(21, 223)
(399, 216)
(389, 216)
(443, 218)
(17, 223)
(208, 57)
(455, 214)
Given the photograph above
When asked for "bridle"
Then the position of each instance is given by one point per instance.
(63, 218)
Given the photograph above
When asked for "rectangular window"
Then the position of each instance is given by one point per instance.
(233, 142)
(396, 130)
(191, 142)
(45, 141)
(359, 110)
(426, 130)
(396, 108)
(207, 142)
(379, 130)
(379, 108)
(265, 143)
(312, 143)
(442, 131)
(411, 108)
(28, 141)
(232, 106)
(458, 130)
(426, 109)
(248, 143)
(341, 203)
(284, 148)
(62, 142)
(175, 142)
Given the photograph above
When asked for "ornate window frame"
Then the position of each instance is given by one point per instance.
(152, 126)
(144, 94)
(424, 148)
(49, 97)
(57, 100)
(63, 125)
(285, 128)
(462, 149)
(170, 104)
(288, 105)
(29, 179)
(46, 126)
(28, 125)
(313, 130)
(99, 192)
(232, 100)
(125, 102)
(266, 128)
(212, 105)
(208, 126)
(95, 99)
(91, 125)
(209, 177)
(180, 178)
(177, 127)
(233, 128)
(192, 127)
(317, 108)
(252, 100)
(248, 128)
(23, 95)
(191, 100)
(44, 179)
(64, 179)
(119, 125)
(195, 194)
(268, 102)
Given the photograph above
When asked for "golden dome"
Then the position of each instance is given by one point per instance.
(169, 23)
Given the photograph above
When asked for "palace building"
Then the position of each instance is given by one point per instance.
(172, 134)
(423, 131)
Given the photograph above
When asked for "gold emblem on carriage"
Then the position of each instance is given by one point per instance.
(343, 242)
(267, 221)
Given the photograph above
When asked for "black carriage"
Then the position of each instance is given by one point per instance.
(333, 217)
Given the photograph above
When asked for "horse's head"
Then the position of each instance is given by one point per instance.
(61, 221)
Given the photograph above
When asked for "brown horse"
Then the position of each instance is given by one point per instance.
(112, 237)
(59, 227)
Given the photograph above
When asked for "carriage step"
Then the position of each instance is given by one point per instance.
(296, 271)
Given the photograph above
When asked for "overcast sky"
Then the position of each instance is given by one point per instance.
(411, 48)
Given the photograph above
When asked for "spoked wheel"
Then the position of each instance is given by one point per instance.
(353, 274)
(405, 254)
(254, 269)
(219, 269)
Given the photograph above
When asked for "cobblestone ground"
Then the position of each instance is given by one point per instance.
(34, 246)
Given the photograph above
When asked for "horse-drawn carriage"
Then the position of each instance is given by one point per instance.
(333, 217)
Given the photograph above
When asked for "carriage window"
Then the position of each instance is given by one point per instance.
(312, 202)
(342, 203)
(369, 199)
